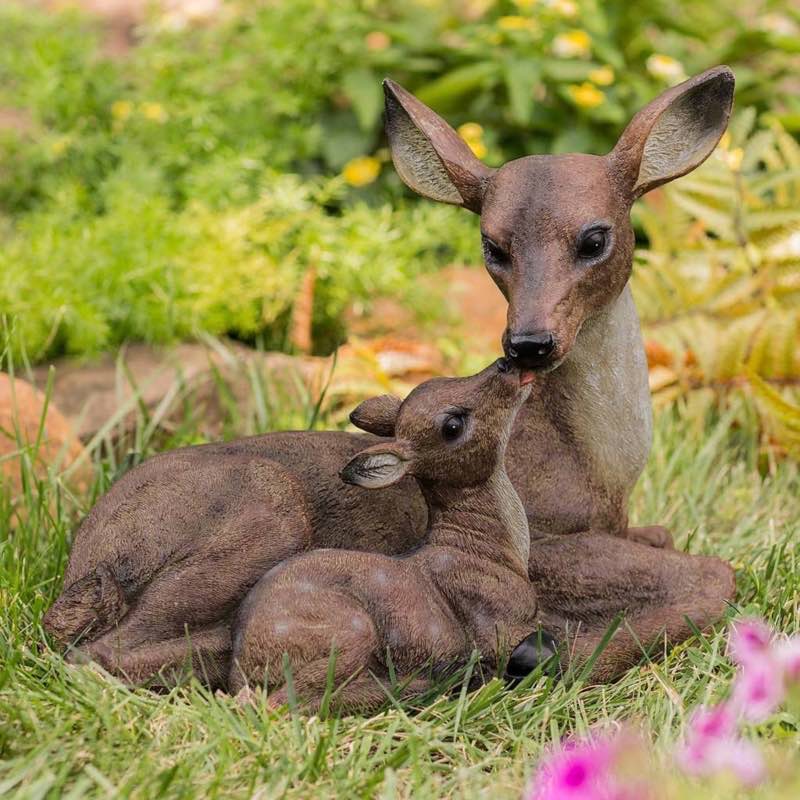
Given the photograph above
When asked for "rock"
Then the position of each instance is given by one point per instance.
(111, 394)
(21, 410)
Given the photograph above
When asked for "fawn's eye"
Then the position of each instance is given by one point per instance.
(452, 427)
(493, 253)
(593, 243)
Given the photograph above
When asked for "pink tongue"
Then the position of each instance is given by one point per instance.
(526, 377)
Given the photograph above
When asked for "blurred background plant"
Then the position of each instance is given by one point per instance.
(223, 172)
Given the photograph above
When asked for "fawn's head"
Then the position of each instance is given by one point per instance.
(449, 431)
(556, 232)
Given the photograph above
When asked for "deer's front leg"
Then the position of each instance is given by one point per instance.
(586, 581)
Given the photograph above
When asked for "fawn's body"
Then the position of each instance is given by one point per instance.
(421, 614)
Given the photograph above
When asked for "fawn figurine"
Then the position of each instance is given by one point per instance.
(465, 588)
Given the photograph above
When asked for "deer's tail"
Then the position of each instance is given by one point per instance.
(87, 608)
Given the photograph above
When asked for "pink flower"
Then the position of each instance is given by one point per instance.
(749, 640)
(787, 654)
(580, 771)
(715, 722)
(588, 770)
(759, 689)
(712, 745)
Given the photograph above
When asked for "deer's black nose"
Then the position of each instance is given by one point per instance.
(532, 652)
(533, 350)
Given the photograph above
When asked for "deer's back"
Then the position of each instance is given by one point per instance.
(163, 508)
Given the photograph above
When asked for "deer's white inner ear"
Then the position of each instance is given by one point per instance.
(376, 470)
(682, 137)
(415, 158)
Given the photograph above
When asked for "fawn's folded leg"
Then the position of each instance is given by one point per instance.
(586, 581)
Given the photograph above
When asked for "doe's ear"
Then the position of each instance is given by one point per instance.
(429, 156)
(377, 414)
(674, 133)
(376, 467)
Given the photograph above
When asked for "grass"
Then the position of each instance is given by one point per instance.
(72, 732)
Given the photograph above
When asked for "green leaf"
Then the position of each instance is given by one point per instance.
(364, 90)
(343, 139)
(452, 86)
(521, 78)
(567, 71)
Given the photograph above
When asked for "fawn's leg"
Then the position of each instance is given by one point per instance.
(305, 628)
(364, 693)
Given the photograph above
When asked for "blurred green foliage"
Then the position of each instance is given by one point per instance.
(145, 197)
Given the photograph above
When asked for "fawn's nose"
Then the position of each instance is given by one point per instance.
(533, 350)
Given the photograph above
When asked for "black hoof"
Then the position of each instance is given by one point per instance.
(532, 652)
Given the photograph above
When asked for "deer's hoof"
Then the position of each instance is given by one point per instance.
(652, 536)
(532, 652)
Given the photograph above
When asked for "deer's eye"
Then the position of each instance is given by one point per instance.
(493, 253)
(593, 243)
(452, 427)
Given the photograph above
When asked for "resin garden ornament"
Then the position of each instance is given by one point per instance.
(161, 602)
(177, 543)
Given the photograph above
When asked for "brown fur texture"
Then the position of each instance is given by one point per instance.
(166, 555)
(404, 621)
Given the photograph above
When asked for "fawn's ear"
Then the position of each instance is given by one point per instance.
(430, 157)
(376, 467)
(674, 133)
(377, 414)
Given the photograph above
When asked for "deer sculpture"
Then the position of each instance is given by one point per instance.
(420, 614)
(176, 543)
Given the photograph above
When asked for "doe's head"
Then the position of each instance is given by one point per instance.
(556, 231)
(448, 432)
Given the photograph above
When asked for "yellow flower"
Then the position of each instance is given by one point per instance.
(566, 8)
(478, 148)
(121, 110)
(362, 170)
(586, 95)
(472, 134)
(470, 130)
(59, 145)
(377, 40)
(602, 76)
(154, 112)
(665, 68)
(572, 44)
(513, 23)
(725, 141)
(525, 5)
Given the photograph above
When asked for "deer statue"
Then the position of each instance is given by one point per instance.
(178, 541)
(160, 604)
(365, 617)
